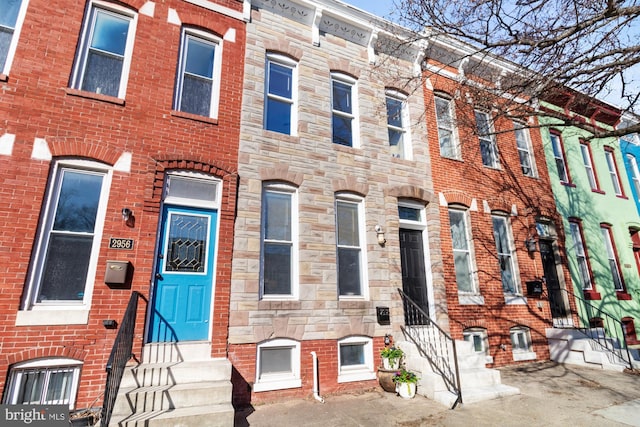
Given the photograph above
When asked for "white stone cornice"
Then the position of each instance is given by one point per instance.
(371, 47)
(316, 26)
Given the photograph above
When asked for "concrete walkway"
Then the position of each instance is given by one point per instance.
(551, 395)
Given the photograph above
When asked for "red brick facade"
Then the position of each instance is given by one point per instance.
(36, 103)
(481, 190)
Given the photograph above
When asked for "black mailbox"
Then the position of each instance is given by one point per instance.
(534, 287)
(383, 315)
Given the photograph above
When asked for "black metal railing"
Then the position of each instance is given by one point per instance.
(120, 355)
(434, 344)
(607, 332)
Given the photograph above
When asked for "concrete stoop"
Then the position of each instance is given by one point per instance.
(477, 382)
(175, 386)
(573, 347)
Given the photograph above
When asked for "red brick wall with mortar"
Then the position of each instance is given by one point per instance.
(35, 102)
(243, 358)
(463, 181)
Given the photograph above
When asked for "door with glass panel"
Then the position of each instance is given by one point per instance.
(184, 275)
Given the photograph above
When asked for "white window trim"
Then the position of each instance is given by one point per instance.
(295, 282)
(455, 141)
(216, 72)
(81, 56)
(581, 255)
(491, 138)
(482, 333)
(609, 244)
(635, 174)
(361, 372)
(279, 381)
(46, 363)
(469, 297)
(364, 279)
(196, 203)
(355, 124)
(407, 149)
(61, 312)
(293, 65)
(520, 354)
(613, 172)
(520, 127)
(558, 155)
(587, 161)
(15, 37)
(513, 260)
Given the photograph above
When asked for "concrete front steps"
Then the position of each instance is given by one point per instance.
(176, 385)
(478, 383)
(574, 347)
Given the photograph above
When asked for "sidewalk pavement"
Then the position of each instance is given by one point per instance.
(551, 395)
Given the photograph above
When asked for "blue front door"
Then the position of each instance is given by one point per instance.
(181, 306)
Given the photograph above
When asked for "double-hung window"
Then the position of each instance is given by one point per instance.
(580, 253)
(355, 359)
(11, 17)
(506, 255)
(344, 110)
(280, 110)
(462, 256)
(525, 152)
(613, 171)
(66, 256)
(397, 125)
(635, 175)
(521, 345)
(612, 256)
(104, 56)
(43, 382)
(585, 150)
(198, 80)
(279, 242)
(278, 365)
(559, 157)
(446, 130)
(488, 146)
(350, 246)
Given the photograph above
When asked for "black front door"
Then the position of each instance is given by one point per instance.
(557, 303)
(414, 282)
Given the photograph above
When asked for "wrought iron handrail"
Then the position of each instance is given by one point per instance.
(120, 355)
(600, 328)
(434, 344)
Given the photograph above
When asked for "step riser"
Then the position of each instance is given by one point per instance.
(177, 374)
(155, 400)
(219, 420)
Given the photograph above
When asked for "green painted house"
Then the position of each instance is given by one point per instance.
(600, 219)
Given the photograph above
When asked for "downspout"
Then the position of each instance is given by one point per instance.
(315, 378)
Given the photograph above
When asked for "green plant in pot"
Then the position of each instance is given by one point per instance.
(391, 357)
(406, 382)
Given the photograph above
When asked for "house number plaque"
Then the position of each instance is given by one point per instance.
(118, 243)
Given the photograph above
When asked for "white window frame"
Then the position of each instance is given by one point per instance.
(360, 372)
(469, 251)
(471, 334)
(448, 126)
(612, 258)
(581, 255)
(286, 62)
(282, 380)
(281, 188)
(510, 253)
(613, 172)
(8, 61)
(404, 151)
(526, 353)
(48, 365)
(216, 72)
(60, 312)
(559, 157)
(354, 116)
(587, 160)
(488, 138)
(635, 174)
(362, 245)
(85, 40)
(525, 148)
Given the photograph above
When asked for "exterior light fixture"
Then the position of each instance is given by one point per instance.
(531, 244)
(380, 234)
(126, 214)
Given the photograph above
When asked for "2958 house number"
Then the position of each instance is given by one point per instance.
(117, 243)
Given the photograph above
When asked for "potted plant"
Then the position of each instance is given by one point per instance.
(406, 382)
(391, 357)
